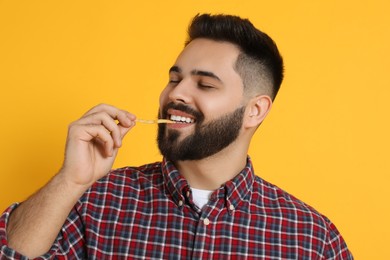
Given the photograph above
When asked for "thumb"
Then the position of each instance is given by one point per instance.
(123, 130)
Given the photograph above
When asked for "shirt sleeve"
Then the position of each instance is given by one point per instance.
(336, 248)
(69, 242)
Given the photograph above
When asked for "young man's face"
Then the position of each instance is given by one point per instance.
(205, 94)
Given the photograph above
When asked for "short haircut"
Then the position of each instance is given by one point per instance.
(259, 64)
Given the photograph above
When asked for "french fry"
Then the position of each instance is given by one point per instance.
(157, 121)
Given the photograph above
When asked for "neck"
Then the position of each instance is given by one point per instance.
(212, 172)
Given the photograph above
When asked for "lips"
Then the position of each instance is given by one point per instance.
(180, 116)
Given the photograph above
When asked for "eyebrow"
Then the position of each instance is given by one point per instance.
(175, 69)
(196, 73)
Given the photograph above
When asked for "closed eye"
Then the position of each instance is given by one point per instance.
(206, 85)
(174, 81)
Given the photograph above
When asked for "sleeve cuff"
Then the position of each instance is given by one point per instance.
(8, 253)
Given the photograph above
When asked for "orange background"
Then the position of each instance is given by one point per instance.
(326, 140)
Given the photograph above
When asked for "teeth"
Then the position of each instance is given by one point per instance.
(181, 119)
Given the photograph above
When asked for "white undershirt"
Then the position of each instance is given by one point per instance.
(200, 197)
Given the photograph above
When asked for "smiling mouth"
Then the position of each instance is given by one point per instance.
(181, 119)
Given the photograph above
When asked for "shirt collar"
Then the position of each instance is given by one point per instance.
(233, 191)
(175, 184)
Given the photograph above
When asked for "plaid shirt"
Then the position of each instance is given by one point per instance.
(148, 213)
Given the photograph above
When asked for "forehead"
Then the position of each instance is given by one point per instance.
(209, 55)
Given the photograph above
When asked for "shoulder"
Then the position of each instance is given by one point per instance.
(293, 216)
(129, 180)
(276, 202)
(147, 172)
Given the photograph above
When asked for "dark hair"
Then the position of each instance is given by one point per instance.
(260, 64)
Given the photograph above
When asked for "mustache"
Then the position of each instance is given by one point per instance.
(184, 108)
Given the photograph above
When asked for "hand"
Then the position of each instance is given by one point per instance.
(93, 143)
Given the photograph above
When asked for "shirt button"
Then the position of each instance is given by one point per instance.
(188, 194)
(206, 221)
(231, 207)
(180, 203)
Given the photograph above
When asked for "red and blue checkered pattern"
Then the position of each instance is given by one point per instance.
(148, 213)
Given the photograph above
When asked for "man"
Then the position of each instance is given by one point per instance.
(203, 200)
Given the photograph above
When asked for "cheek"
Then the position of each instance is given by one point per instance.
(163, 97)
(221, 105)
(215, 109)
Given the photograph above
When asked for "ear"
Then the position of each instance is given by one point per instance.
(257, 109)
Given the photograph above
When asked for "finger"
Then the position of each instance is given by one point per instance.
(105, 120)
(101, 108)
(93, 133)
(110, 117)
(125, 118)
(102, 139)
(117, 131)
(124, 130)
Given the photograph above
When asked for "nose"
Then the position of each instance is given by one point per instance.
(181, 92)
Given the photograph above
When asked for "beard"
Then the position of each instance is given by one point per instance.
(207, 139)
